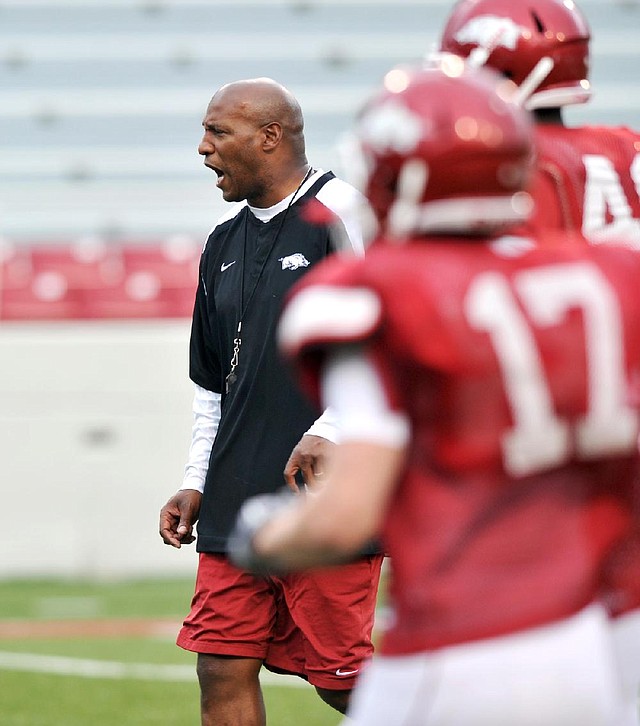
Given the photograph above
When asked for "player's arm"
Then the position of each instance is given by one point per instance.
(335, 523)
(343, 516)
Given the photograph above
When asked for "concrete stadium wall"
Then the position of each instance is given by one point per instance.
(95, 424)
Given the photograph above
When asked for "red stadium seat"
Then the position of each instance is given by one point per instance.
(86, 263)
(174, 261)
(46, 296)
(15, 265)
(91, 279)
(140, 295)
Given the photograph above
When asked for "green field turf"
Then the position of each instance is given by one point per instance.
(77, 598)
(29, 698)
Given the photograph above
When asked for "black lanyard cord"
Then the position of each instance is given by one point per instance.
(237, 341)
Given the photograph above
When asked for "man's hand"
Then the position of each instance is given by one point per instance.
(310, 458)
(178, 517)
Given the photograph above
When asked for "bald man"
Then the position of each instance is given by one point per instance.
(253, 430)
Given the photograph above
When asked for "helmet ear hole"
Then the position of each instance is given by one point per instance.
(538, 23)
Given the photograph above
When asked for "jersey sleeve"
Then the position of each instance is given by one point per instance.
(321, 316)
(204, 365)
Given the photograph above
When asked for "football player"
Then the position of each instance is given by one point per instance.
(487, 389)
(588, 178)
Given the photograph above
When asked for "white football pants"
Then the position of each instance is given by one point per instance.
(563, 674)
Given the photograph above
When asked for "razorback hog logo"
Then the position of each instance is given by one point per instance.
(293, 262)
(391, 126)
(490, 31)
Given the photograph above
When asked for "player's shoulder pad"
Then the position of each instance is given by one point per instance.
(328, 313)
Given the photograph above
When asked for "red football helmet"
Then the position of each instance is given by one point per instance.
(444, 150)
(544, 43)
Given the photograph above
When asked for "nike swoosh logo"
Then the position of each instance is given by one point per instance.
(224, 267)
(340, 672)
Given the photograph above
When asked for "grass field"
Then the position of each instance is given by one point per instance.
(102, 654)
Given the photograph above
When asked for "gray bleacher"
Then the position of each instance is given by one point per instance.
(101, 100)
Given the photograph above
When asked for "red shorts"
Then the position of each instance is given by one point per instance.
(313, 624)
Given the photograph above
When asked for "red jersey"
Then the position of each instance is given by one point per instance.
(588, 181)
(519, 372)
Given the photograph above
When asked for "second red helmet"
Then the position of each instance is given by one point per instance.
(513, 36)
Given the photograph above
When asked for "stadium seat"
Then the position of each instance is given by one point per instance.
(140, 295)
(173, 261)
(88, 279)
(15, 265)
(86, 263)
(45, 296)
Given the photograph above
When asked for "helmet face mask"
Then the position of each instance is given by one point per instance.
(513, 37)
(448, 153)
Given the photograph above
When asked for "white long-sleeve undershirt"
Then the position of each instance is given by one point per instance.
(206, 419)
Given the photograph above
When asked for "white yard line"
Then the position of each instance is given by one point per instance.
(117, 670)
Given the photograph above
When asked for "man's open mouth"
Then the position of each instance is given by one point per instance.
(218, 171)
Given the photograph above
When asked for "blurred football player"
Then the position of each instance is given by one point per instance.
(488, 392)
(588, 177)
